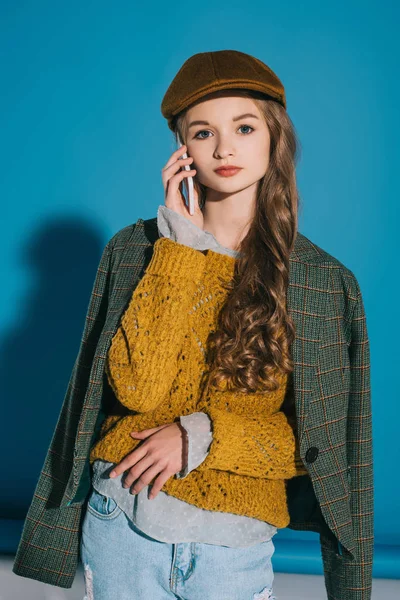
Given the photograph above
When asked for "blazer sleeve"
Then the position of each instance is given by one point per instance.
(348, 576)
(142, 361)
(360, 456)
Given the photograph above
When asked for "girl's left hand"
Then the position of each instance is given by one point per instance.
(160, 454)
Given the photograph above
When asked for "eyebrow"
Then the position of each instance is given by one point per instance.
(246, 115)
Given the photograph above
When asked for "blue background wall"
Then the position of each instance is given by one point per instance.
(83, 143)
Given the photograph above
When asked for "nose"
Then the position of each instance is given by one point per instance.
(223, 150)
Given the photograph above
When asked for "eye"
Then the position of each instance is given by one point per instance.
(197, 134)
(248, 126)
(206, 131)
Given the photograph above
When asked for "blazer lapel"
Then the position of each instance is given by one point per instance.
(306, 302)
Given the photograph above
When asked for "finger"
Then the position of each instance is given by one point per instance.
(147, 432)
(178, 163)
(175, 180)
(167, 173)
(129, 461)
(136, 472)
(159, 482)
(175, 155)
(145, 478)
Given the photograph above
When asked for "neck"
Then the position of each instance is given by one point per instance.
(228, 219)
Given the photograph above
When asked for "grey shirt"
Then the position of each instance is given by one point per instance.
(166, 518)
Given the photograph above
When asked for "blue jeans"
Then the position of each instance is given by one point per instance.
(123, 563)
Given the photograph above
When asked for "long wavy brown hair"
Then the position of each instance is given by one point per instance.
(250, 350)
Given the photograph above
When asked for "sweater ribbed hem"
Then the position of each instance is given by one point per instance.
(263, 499)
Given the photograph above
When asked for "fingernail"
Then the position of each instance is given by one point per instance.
(112, 474)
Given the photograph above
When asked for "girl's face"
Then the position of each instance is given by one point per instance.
(217, 137)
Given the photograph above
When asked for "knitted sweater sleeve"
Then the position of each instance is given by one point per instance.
(199, 431)
(142, 359)
(255, 446)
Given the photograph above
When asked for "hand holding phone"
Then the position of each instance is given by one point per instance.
(189, 181)
(175, 171)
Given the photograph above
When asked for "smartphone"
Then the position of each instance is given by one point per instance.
(188, 181)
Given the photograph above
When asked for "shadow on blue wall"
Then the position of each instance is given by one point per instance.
(37, 353)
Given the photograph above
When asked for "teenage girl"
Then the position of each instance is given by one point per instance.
(206, 403)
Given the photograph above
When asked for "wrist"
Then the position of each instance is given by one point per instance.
(185, 449)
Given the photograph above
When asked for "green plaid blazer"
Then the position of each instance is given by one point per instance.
(331, 395)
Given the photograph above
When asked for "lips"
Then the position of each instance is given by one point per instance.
(227, 171)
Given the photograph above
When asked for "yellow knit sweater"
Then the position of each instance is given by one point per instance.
(156, 365)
